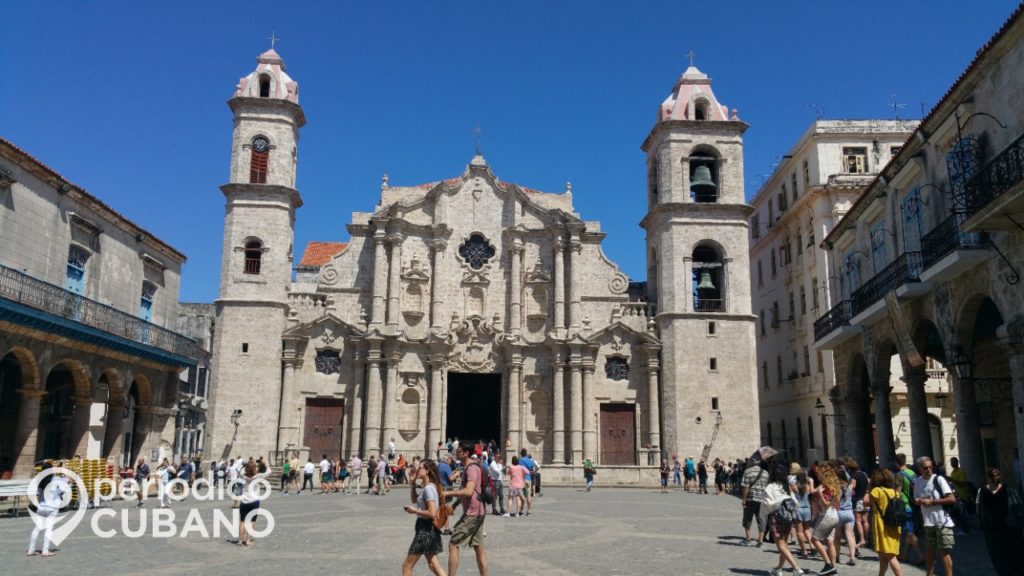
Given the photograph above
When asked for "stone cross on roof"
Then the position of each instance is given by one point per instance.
(273, 39)
(692, 55)
(477, 133)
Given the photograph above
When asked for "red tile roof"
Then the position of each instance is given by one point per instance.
(38, 166)
(319, 253)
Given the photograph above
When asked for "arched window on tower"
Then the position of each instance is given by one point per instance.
(253, 256)
(260, 150)
(700, 110)
(264, 86)
(708, 278)
(705, 184)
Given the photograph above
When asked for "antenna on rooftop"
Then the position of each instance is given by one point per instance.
(818, 110)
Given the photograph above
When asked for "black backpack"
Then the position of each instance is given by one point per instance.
(486, 493)
(787, 512)
(895, 514)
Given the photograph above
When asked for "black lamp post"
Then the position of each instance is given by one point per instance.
(962, 364)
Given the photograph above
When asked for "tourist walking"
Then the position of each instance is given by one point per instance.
(496, 469)
(529, 465)
(293, 477)
(847, 519)
(932, 493)
(677, 472)
(804, 487)
(469, 530)
(664, 471)
(142, 478)
(885, 538)
(755, 480)
(51, 493)
(356, 464)
(826, 501)
(589, 470)
(164, 475)
(381, 485)
(780, 512)
(426, 540)
(905, 485)
(249, 502)
(325, 474)
(307, 475)
(516, 483)
(286, 472)
(860, 483)
(689, 474)
(1004, 544)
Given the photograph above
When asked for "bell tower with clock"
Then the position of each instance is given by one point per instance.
(256, 261)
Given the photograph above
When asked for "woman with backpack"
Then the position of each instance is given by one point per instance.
(782, 512)
(886, 522)
(427, 506)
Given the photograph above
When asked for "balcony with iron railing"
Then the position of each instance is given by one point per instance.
(79, 317)
(994, 196)
(948, 251)
(904, 270)
(835, 318)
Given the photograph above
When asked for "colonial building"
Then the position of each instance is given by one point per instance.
(472, 307)
(925, 268)
(812, 187)
(195, 320)
(87, 365)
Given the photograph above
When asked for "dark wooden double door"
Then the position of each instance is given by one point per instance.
(618, 435)
(323, 433)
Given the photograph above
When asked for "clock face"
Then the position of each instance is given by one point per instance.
(260, 144)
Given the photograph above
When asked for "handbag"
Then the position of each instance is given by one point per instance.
(443, 512)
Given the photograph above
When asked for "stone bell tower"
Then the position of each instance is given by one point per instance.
(256, 261)
(698, 273)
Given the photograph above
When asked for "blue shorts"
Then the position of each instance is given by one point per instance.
(664, 481)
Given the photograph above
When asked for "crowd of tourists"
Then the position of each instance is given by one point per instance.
(912, 514)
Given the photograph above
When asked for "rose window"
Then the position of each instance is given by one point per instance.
(476, 251)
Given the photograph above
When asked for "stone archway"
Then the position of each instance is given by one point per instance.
(63, 410)
(856, 424)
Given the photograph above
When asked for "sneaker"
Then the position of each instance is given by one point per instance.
(775, 572)
(851, 562)
(827, 570)
(745, 542)
(505, 515)
(760, 543)
(798, 572)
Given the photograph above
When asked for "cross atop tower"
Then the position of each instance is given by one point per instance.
(477, 134)
(692, 56)
(273, 39)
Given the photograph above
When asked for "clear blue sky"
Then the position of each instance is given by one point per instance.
(128, 99)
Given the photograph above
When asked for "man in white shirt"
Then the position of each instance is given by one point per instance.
(325, 474)
(391, 449)
(931, 493)
(307, 476)
(495, 470)
(356, 464)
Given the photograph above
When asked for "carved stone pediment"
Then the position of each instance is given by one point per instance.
(476, 277)
(415, 272)
(537, 275)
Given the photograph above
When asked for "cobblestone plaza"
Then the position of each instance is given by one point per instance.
(609, 531)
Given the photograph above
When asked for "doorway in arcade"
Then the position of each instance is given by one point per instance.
(474, 407)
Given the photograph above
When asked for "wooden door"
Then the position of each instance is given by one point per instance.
(323, 430)
(618, 435)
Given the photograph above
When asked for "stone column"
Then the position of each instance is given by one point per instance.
(559, 296)
(374, 399)
(434, 402)
(515, 403)
(558, 408)
(1012, 340)
(143, 427)
(437, 248)
(515, 303)
(394, 280)
(653, 413)
(80, 426)
(289, 436)
(968, 432)
(589, 412)
(355, 404)
(27, 432)
(883, 423)
(576, 407)
(380, 262)
(575, 249)
(687, 292)
(113, 433)
(390, 386)
(917, 402)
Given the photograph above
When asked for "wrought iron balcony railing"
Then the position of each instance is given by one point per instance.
(946, 238)
(838, 316)
(997, 176)
(906, 268)
(35, 293)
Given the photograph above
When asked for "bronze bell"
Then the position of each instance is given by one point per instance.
(705, 281)
(702, 185)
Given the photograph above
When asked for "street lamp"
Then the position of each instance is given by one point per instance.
(962, 364)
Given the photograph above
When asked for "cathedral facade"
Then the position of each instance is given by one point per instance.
(481, 309)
